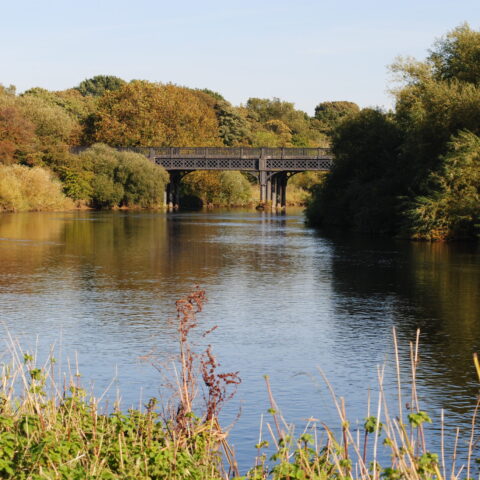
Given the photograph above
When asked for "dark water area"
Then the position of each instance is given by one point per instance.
(287, 301)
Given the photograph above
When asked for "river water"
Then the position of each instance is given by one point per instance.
(287, 301)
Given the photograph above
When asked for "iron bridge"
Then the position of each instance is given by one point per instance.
(273, 166)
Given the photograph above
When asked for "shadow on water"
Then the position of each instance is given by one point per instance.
(431, 286)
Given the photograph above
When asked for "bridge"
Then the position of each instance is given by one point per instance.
(272, 166)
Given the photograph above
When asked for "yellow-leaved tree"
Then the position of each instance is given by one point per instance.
(142, 113)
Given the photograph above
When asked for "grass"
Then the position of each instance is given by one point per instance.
(51, 428)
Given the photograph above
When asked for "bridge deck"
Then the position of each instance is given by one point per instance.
(238, 158)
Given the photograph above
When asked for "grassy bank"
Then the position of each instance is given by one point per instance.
(51, 428)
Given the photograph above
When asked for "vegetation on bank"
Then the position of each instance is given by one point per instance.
(413, 172)
(30, 189)
(55, 432)
(39, 128)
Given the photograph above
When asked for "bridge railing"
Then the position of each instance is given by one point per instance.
(227, 152)
(239, 152)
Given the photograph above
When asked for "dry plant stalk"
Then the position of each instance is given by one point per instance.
(402, 432)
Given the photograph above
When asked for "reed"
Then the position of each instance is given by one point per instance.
(316, 453)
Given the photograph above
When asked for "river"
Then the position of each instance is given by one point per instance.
(287, 301)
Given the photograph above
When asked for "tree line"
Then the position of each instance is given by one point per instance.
(413, 172)
(38, 129)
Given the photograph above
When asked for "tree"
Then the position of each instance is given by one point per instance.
(451, 209)
(111, 178)
(17, 133)
(217, 187)
(362, 191)
(457, 56)
(71, 101)
(54, 127)
(263, 110)
(437, 99)
(150, 114)
(330, 114)
(100, 84)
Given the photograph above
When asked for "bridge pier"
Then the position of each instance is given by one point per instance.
(173, 190)
(276, 190)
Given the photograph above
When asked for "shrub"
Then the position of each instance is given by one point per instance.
(30, 189)
(218, 188)
(110, 178)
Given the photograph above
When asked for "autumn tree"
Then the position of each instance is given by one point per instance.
(150, 114)
(17, 133)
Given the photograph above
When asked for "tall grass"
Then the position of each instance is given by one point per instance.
(395, 430)
(30, 189)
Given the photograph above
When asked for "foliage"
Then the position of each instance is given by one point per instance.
(296, 127)
(17, 133)
(99, 85)
(141, 113)
(30, 189)
(452, 208)
(50, 432)
(330, 114)
(415, 174)
(71, 101)
(218, 187)
(361, 190)
(116, 178)
(233, 127)
(457, 56)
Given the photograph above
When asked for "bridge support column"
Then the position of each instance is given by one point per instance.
(273, 193)
(279, 190)
(173, 191)
(263, 186)
(284, 180)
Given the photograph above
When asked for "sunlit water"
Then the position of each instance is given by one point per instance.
(287, 300)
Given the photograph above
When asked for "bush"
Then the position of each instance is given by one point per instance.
(30, 189)
(218, 188)
(116, 178)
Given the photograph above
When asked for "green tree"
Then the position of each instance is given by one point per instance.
(107, 178)
(217, 187)
(362, 191)
(451, 209)
(100, 84)
(330, 114)
(457, 56)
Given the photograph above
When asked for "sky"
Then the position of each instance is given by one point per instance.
(302, 51)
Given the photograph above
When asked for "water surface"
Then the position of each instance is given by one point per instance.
(286, 300)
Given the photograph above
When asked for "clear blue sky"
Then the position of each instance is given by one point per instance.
(301, 51)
